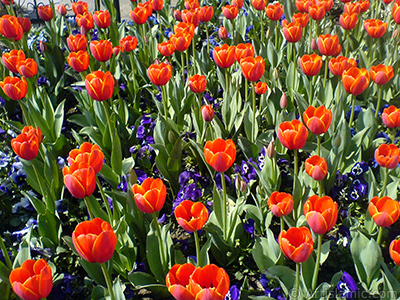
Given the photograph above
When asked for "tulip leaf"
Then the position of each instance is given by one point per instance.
(284, 275)
(325, 249)
(94, 271)
(390, 281)
(24, 252)
(153, 253)
(307, 269)
(118, 289)
(49, 227)
(109, 175)
(116, 154)
(99, 293)
(265, 253)
(39, 205)
(204, 252)
(4, 272)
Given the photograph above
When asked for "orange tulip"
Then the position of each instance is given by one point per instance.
(27, 67)
(220, 154)
(190, 215)
(25, 23)
(321, 213)
(88, 153)
(328, 45)
(281, 204)
(301, 18)
(292, 135)
(238, 3)
(355, 80)
(77, 42)
(147, 7)
(79, 61)
(224, 56)
(14, 87)
(394, 251)
(230, 11)
(62, 10)
(303, 5)
(128, 43)
(102, 18)
(207, 112)
(274, 11)
(375, 28)
(157, 5)
(94, 240)
(348, 20)
(318, 119)
(85, 20)
(166, 48)
(159, 74)
(191, 16)
(150, 195)
(385, 211)
(292, 31)
(139, 15)
(387, 156)
(352, 8)
(296, 243)
(391, 116)
(33, 280)
(7, 2)
(364, 5)
(328, 4)
(259, 4)
(381, 74)
(10, 60)
(340, 64)
(396, 12)
(243, 51)
(206, 13)
(10, 28)
(192, 4)
(26, 144)
(209, 282)
(222, 33)
(101, 50)
(317, 11)
(260, 88)
(181, 40)
(80, 179)
(197, 83)
(45, 12)
(185, 28)
(316, 167)
(311, 64)
(100, 85)
(79, 7)
(177, 281)
(252, 68)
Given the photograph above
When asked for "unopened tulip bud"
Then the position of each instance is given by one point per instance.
(178, 15)
(156, 62)
(338, 141)
(395, 34)
(116, 50)
(62, 10)
(268, 33)
(83, 31)
(275, 74)
(283, 102)
(207, 112)
(222, 33)
(243, 186)
(42, 46)
(166, 61)
(271, 150)
(314, 45)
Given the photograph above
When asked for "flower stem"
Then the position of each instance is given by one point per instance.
(183, 66)
(378, 105)
(262, 27)
(226, 82)
(246, 86)
(353, 103)
(385, 181)
(253, 128)
(164, 100)
(297, 285)
(379, 238)
(91, 215)
(310, 96)
(38, 179)
(317, 262)
(282, 224)
(187, 62)
(163, 259)
(197, 242)
(296, 171)
(108, 280)
(319, 145)
(393, 135)
(326, 71)
(24, 112)
(347, 43)
(5, 253)
(320, 189)
(103, 195)
(224, 204)
(208, 40)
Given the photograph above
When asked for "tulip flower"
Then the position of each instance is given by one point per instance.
(94, 240)
(62, 10)
(209, 282)
(100, 85)
(316, 11)
(80, 179)
(274, 11)
(150, 195)
(252, 68)
(296, 243)
(340, 64)
(10, 60)
(85, 20)
(139, 15)
(321, 213)
(220, 154)
(318, 119)
(177, 281)
(394, 251)
(178, 15)
(375, 28)
(303, 5)
(25, 23)
(10, 28)
(328, 4)
(230, 11)
(391, 117)
(185, 28)
(157, 5)
(147, 7)
(222, 33)
(311, 64)
(128, 43)
(181, 40)
(238, 3)
(293, 135)
(7, 2)
(348, 20)
(260, 88)
(27, 67)
(101, 50)
(301, 18)
(206, 13)
(166, 48)
(45, 12)
(381, 74)
(14, 87)
(191, 16)
(243, 51)
(364, 5)
(102, 18)
(316, 167)
(33, 280)
(352, 8)
(191, 216)
(79, 7)
(197, 83)
(328, 45)
(355, 80)
(192, 4)
(292, 31)
(259, 4)
(77, 42)
(224, 56)
(281, 204)
(387, 156)
(396, 12)
(88, 153)
(79, 61)
(159, 74)
(385, 211)
(26, 144)
(207, 112)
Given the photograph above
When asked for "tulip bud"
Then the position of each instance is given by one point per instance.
(171, 137)
(314, 45)
(243, 186)
(62, 10)
(42, 46)
(116, 50)
(271, 150)
(177, 15)
(83, 31)
(207, 112)
(268, 33)
(283, 102)
(275, 74)
(394, 36)
(338, 141)
(222, 33)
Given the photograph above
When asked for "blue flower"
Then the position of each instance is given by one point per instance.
(20, 233)
(359, 188)
(249, 227)
(19, 177)
(347, 286)
(123, 185)
(357, 110)
(218, 181)
(359, 169)
(140, 132)
(146, 119)
(2, 101)
(233, 294)
(43, 81)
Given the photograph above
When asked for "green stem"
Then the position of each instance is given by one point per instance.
(38, 179)
(108, 116)
(253, 131)
(353, 103)
(326, 70)
(25, 115)
(310, 96)
(183, 67)
(224, 208)
(160, 240)
(187, 62)
(108, 280)
(379, 238)
(297, 284)
(246, 87)
(164, 100)
(296, 163)
(193, 49)
(385, 181)
(104, 197)
(91, 215)
(393, 135)
(277, 32)
(320, 189)
(197, 242)
(282, 224)
(208, 41)
(104, 66)
(226, 83)
(5, 253)
(347, 43)
(262, 26)
(296, 171)
(319, 145)
(378, 105)
(317, 262)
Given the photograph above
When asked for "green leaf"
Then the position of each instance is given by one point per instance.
(116, 154)
(59, 119)
(284, 275)
(139, 279)
(325, 249)
(4, 273)
(204, 252)
(265, 252)
(49, 227)
(94, 271)
(153, 248)
(118, 290)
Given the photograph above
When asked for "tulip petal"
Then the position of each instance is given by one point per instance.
(104, 246)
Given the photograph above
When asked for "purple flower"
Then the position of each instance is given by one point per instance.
(218, 180)
(146, 119)
(184, 177)
(249, 226)
(359, 169)
(140, 132)
(347, 286)
(141, 176)
(234, 293)
(123, 185)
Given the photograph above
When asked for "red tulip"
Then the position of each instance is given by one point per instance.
(318, 119)
(396, 12)
(190, 215)
(166, 48)
(14, 87)
(10, 60)
(355, 80)
(177, 281)
(206, 13)
(139, 15)
(191, 16)
(387, 156)
(88, 153)
(101, 50)
(197, 83)
(159, 74)
(301, 18)
(364, 5)
(328, 45)
(316, 167)
(26, 144)
(352, 8)
(181, 40)
(79, 7)
(317, 11)
(394, 251)
(222, 33)
(385, 211)
(128, 43)
(311, 64)
(79, 61)
(274, 11)
(292, 135)
(224, 56)
(45, 12)
(260, 88)
(321, 213)
(209, 282)
(85, 20)
(375, 28)
(102, 18)
(259, 4)
(100, 85)
(80, 179)
(62, 10)
(381, 74)
(25, 23)
(252, 68)
(230, 11)
(77, 42)
(150, 195)
(27, 67)
(220, 154)
(348, 20)
(281, 204)
(207, 112)
(292, 31)
(10, 28)
(296, 243)
(192, 4)
(340, 64)
(391, 117)
(157, 5)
